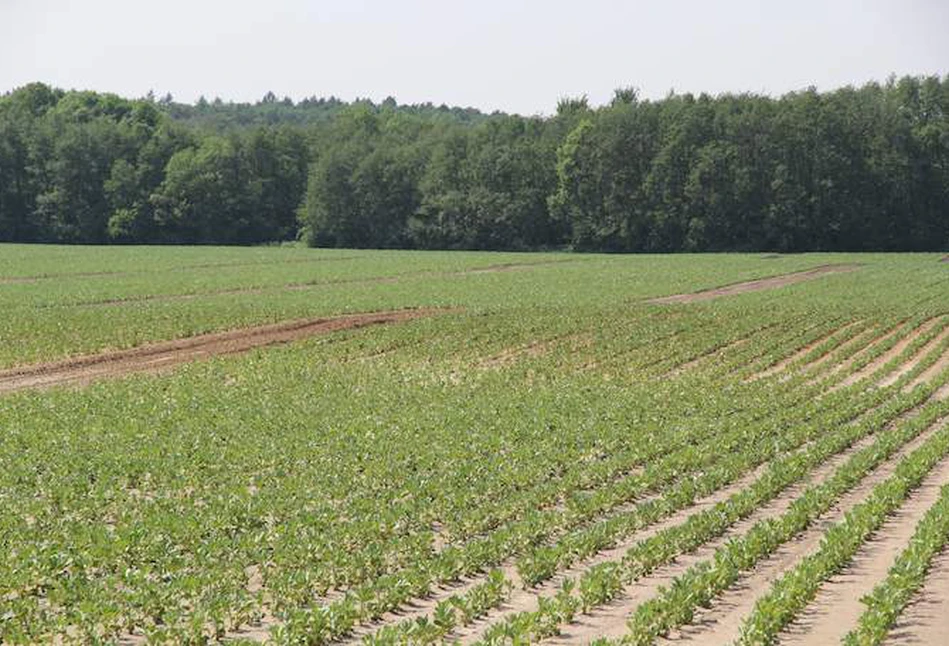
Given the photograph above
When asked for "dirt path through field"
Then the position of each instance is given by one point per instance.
(161, 356)
(756, 285)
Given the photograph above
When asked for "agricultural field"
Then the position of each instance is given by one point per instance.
(298, 446)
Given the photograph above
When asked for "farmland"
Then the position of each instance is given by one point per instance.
(305, 446)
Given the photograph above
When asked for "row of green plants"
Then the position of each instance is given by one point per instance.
(699, 586)
(791, 593)
(140, 506)
(740, 449)
(589, 540)
(601, 583)
(299, 554)
(682, 500)
(908, 574)
(569, 544)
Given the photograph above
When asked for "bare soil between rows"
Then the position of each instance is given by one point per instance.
(757, 285)
(163, 355)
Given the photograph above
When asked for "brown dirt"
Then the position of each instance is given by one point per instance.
(783, 364)
(920, 354)
(837, 607)
(161, 356)
(721, 623)
(756, 285)
(925, 620)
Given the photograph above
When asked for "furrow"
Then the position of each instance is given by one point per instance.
(863, 339)
(932, 371)
(847, 363)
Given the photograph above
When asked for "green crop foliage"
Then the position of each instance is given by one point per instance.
(304, 492)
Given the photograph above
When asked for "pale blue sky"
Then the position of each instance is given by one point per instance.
(491, 54)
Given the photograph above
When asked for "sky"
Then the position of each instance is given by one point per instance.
(491, 54)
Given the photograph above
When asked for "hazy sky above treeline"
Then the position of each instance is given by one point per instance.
(491, 54)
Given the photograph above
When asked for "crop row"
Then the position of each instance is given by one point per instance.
(587, 541)
(818, 445)
(608, 579)
(907, 575)
(701, 583)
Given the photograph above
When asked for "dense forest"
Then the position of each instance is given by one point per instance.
(853, 169)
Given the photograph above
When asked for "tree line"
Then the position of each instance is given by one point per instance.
(851, 169)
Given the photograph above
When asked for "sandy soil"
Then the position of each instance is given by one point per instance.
(930, 373)
(862, 339)
(161, 356)
(756, 285)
